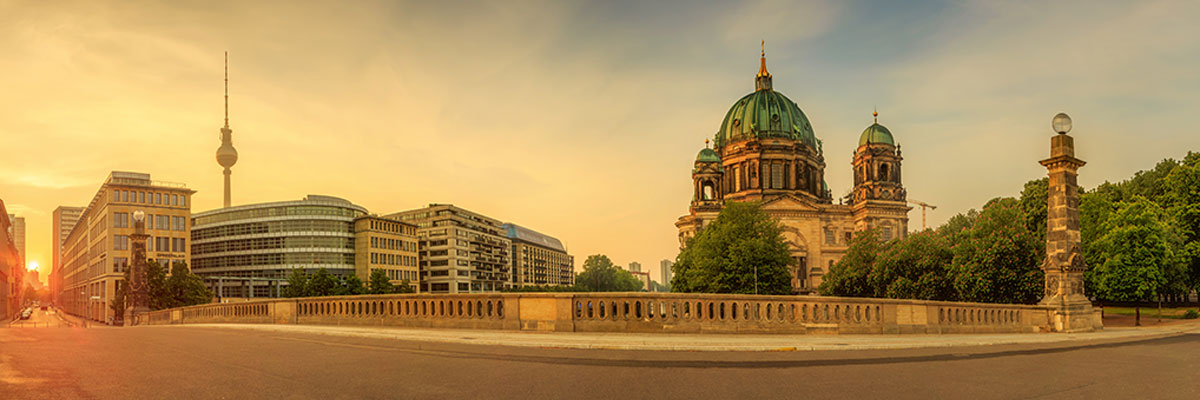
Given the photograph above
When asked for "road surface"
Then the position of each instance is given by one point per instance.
(185, 362)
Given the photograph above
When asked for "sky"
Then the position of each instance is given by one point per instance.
(580, 120)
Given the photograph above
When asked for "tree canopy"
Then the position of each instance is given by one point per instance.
(600, 275)
(741, 251)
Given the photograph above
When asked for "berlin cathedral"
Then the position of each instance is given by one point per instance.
(766, 151)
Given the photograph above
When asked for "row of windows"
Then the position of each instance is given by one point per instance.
(279, 212)
(126, 196)
(393, 259)
(393, 244)
(289, 242)
(345, 260)
(164, 244)
(394, 227)
(299, 225)
(396, 275)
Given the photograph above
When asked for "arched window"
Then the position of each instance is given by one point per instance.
(883, 172)
(707, 191)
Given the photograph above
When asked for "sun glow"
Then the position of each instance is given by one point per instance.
(32, 266)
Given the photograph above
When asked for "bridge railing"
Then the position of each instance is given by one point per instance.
(625, 312)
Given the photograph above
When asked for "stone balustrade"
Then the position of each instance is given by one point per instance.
(625, 312)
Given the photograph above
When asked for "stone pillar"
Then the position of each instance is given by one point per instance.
(1064, 265)
(139, 291)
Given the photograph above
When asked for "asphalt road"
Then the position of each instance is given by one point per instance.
(40, 319)
(217, 363)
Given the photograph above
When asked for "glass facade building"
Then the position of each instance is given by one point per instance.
(269, 240)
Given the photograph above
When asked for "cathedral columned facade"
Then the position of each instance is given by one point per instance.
(765, 151)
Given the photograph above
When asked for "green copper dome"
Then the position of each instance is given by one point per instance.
(876, 133)
(708, 155)
(765, 114)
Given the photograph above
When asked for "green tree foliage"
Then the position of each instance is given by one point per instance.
(322, 284)
(914, 268)
(297, 284)
(350, 286)
(727, 255)
(378, 282)
(1182, 200)
(1135, 248)
(543, 289)
(850, 276)
(997, 261)
(404, 287)
(156, 286)
(186, 288)
(1032, 207)
(600, 275)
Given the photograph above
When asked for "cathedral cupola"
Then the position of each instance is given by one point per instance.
(879, 198)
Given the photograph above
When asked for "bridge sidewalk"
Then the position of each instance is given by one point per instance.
(711, 342)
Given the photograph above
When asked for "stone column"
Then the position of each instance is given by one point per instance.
(139, 290)
(1064, 264)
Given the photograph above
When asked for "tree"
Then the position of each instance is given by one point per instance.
(350, 286)
(742, 251)
(321, 284)
(117, 305)
(1182, 200)
(850, 276)
(379, 283)
(297, 284)
(600, 275)
(1032, 206)
(404, 287)
(997, 261)
(186, 288)
(159, 295)
(1135, 248)
(915, 267)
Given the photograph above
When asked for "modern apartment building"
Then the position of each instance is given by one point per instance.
(18, 235)
(64, 219)
(665, 271)
(247, 250)
(538, 259)
(635, 267)
(460, 251)
(388, 245)
(98, 250)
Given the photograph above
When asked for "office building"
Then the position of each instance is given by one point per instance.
(635, 267)
(98, 250)
(248, 250)
(388, 245)
(63, 220)
(10, 269)
(460, 251)
(538, 259)
(18, 235)
(665, 271)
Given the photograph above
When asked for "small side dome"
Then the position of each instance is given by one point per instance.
(876, 133)
(708, 155)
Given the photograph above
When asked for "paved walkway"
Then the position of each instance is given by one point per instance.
(712, 342)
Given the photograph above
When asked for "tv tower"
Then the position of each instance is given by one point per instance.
(226, 154)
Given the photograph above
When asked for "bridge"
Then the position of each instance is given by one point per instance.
(628, 312)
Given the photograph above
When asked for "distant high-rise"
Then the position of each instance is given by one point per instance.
(64, 221)
(665, 271)
(18, 225)
(226, 154)
(635, 267)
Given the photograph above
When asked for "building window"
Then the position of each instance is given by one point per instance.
(829, 236)
(120, 264)
(776, 176)
(848, 237)
(887, 233)
(120, 242)
(120, 220)
(178, 245)
(141, 197)
(178, 224)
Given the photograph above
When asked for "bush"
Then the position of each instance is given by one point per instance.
(1191, 314)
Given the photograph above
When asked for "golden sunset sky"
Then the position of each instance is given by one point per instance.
(577, 119)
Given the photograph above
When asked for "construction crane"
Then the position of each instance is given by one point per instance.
(923, 205)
